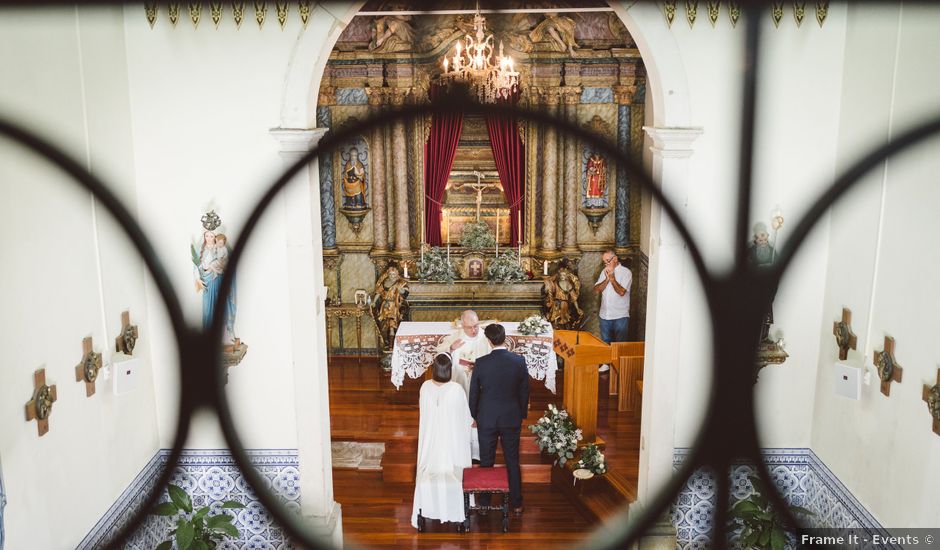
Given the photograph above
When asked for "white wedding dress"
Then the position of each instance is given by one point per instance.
(443, 452)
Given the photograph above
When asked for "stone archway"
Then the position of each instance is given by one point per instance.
(670, 138)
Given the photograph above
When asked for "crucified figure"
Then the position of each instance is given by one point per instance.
(479, 186)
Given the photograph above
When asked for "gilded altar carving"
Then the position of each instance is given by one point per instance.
(390, 304)
(560, 298)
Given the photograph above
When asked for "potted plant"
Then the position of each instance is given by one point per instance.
(195, 530)
(760, 526)
(556, 434)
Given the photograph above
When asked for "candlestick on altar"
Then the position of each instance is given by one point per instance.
(406, 271)
(545, 268)
(497, 232)
(447, 236)
(519, 234)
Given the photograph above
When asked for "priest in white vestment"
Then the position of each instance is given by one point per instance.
(443, 446)
(465, 345)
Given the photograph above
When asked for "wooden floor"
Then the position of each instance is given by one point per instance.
(364, 406)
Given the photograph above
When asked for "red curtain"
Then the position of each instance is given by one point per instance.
(439, 153)
(509, 153)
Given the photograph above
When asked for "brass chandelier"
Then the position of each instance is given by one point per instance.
(489, 77)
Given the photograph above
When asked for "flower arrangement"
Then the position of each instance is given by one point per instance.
(505, 269)
(476, 235)
(434, 266)
(592, 459)
(556, 434)
(533, 325)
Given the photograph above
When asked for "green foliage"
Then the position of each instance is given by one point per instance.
(556, 434)
(195, 255)
(477, 235)
(506, 269)
(592, 459)
(195, 531)
(435, 267)
(760, 526)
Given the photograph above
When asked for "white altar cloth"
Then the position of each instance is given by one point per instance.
(415, 343)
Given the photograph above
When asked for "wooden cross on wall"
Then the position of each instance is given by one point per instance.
(40, 406)
(845, 338)
(888, 369)
(932, 397)
(87, 369)
(127, 339)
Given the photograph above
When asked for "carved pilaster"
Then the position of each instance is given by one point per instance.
(571, 183)
(399, 150)
(550, 99)
(377, 147)
(327, 96)
(623, 95)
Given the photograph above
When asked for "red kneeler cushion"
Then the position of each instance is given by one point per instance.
(485, 479)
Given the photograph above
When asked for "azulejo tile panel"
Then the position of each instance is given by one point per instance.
(800, 476)
(210, 477)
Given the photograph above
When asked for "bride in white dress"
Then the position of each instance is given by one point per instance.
(443, 446)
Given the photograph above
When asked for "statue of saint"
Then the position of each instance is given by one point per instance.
(557, 30)
(560, 298)
(389, 304)
(392, 33)
(354, 181)
(596, 176)
(760, 255)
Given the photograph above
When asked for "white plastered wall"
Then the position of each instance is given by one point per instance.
(67, 274)
(883, 266)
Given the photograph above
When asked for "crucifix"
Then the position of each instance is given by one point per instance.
(932, 397)
(127, 339)
(842, 330)
(39, 407)
(888, 369)
(479, 186)
(87, 370)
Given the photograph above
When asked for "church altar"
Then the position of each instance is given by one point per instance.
(415, 343)
(505, 302)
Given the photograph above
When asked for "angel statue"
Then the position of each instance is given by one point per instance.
(560, 298)
(389, 304)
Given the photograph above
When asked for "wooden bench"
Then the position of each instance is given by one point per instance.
(485, 481)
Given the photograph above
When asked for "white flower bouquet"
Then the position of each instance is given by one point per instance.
(533, 325)
(434, 266)
(556, 434)
(592, 459)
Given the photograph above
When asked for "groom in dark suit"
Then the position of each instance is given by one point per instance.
(499, 403)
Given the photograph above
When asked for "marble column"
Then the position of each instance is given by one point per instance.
(624, 97)
(327, 204)
(399, 150)
(307, 316)
(668, 265)
(572, 181)
(550, 177)
(378, 174)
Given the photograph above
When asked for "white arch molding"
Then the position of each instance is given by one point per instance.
(671, 137)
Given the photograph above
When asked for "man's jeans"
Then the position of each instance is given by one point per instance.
(614, 330)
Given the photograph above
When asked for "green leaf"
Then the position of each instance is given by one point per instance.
(751, 538)
(216, 521)
(778, 539)
(164, 509)
(744, 506)
(165, 545)
(184, 536)
(180, 498)
(764, 538)
(201, 512)
(801, 510)
(228, 529)
(232, 504)
(199, 545)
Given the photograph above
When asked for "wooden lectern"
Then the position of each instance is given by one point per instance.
(582, 352)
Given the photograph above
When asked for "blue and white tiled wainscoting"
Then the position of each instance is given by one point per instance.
(800, 476)
(210, 477)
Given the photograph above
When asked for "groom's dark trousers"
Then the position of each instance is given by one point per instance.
(499, 402)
